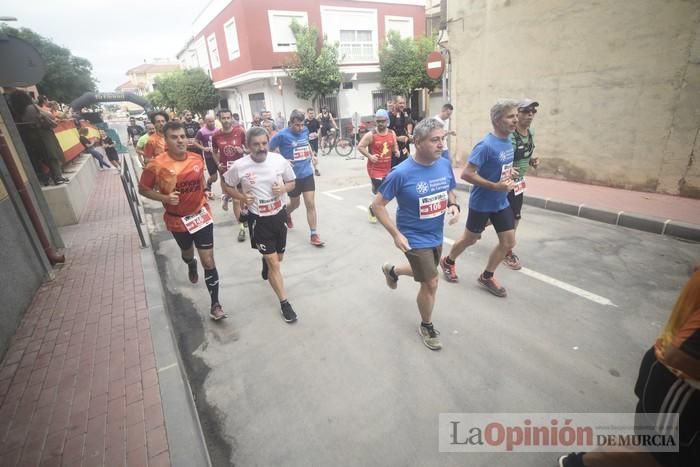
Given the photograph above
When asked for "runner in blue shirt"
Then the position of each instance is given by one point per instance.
(423, 186)
(293, 144)
(490, 171)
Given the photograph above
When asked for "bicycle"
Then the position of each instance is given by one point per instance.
(343, 146)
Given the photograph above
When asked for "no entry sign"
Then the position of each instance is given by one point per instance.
(435, 65)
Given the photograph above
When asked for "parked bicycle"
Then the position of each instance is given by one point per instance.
(342, 146)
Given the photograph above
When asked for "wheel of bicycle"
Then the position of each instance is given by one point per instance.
(330, 144)
(343, 147)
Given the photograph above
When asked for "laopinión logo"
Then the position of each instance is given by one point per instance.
(554, 432)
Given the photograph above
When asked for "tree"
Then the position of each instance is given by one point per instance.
(314, 67)
(184, 90)
(402, 64)
(67, 76)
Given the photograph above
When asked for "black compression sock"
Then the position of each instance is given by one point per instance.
(487, 275)
(426, 325)
(393, 274)
(449, 261)
(211, 278)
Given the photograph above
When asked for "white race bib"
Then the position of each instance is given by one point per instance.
(301, 153)
(519, 186)
(505, 170)
(269, 207)
(197, 221)
(432, 205)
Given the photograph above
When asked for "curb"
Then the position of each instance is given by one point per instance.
(641, 222)
(184, 431)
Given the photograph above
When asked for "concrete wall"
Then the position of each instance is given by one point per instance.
(618, 84)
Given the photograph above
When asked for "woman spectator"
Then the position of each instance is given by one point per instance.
(35, 128)
(90, 148)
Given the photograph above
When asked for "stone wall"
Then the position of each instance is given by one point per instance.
(618, 84)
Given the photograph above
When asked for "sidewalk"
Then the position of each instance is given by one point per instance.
(78, 385)
(652, 212)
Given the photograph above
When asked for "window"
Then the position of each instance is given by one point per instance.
(401, 24)
(355, 30)
(282, 38)
(232, 39)
(257, 102)
(213, 51)
(347, 85)
(356, 45)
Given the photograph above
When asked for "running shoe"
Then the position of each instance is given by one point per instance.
(372, 217)
(290, 224)
(264, 269)
(316, 240)
(224, 202)
(450, 270)
(512, 261)
(430, 337)
(391, 280)
(192, 271)
(317, 173)
(492, 286)
(288, 313)
(241, 235)
(217, 312)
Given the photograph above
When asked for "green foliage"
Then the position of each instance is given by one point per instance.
(184, 90)
(67, 76)
(314, 67)
(402, 63)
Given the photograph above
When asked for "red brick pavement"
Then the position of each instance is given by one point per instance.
(78, 384)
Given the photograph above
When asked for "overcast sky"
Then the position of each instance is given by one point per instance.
(114, 35)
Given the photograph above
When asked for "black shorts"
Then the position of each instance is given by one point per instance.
(211, 165)
(516, 203)
(376, 183)
(302, 185)
(660, 391)
(112, 156)
(314, 145)
(268, 234)
(202, 239)
(502, 220)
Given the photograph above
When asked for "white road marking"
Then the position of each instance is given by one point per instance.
(167, 367)
(362, 208)
(556, 283)
(347, 188)
(331, 195)
(568, 287)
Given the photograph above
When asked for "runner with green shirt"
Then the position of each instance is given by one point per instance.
(523, 146)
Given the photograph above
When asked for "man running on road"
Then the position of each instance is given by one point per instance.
(490, 171)
(313, 125)
(228, 147)
(293, 144)
(400, 121)
(176, 178)
(141, 143)
(424, 190)
(523, 139)
(203, 141)
(264, 178)
(134, 131)
(378, 146)
(156, 142)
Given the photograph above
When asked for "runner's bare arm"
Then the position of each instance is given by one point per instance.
(232, 191)
(382, 215)
(397, 154)
(286, 187)
(452, 207)
(172, 198)
(471, 175)
(363, 146)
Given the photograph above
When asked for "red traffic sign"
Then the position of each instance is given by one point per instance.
(435, 65)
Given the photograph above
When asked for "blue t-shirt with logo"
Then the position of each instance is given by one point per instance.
(493, 156)
(294, 147)
(421, 194)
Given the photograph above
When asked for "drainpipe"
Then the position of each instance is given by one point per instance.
(51, 254)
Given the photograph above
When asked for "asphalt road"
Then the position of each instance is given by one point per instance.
(351, 384)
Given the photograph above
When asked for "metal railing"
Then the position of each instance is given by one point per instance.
(132, 197)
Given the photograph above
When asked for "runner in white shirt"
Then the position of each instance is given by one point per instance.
(444, 117)
(265, 179)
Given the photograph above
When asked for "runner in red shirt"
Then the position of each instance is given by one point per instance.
(156, 142)
(176, 178)
(228, 147)
(378, 146)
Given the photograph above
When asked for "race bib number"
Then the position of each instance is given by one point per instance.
(433, 205)
(505, 171)
(197, 221)
(301, 153)
(519, 187)
(269, 207)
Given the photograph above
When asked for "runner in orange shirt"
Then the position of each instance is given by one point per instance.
(156, 142)
(176, 178)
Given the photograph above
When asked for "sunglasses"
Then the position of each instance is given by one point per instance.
(527, 111)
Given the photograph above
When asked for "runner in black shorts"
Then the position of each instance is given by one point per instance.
(313, 125)
(203, 141)
(272, 178)
(490, 170)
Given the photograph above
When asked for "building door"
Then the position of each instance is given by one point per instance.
(257, 102)
(380, 98)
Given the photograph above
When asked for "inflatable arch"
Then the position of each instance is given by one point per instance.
(90, 98)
